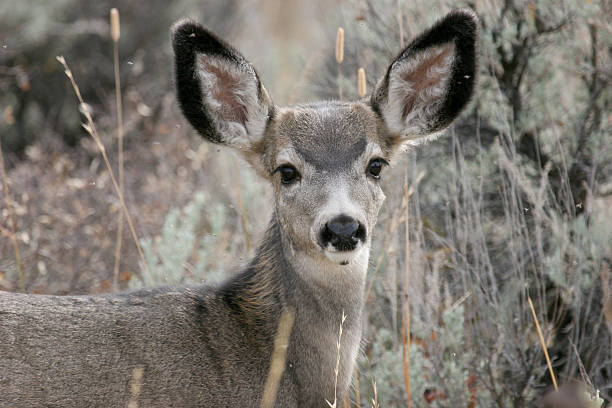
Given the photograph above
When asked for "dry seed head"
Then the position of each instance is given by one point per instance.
(361, 82)
(114, 23)
(340, 46)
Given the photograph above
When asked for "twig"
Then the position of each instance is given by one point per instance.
(543, 343)
(115, 34)
(91, 129)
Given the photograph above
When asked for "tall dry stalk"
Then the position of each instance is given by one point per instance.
(406, 320)
(12, 231)
(115, 35)
(340, 58)
(91, 129)
(279, 356)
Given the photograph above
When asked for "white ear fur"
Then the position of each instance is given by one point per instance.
(417, 87)
(231, 96)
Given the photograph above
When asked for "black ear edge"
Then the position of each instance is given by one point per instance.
(464, 26)
(185, 34)
(188, 39)
(189, 36)
(460, 27)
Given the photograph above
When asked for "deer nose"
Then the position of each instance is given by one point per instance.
(343, 233)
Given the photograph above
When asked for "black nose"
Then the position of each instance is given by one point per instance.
(343, 232)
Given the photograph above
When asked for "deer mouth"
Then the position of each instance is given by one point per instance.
(343, 257)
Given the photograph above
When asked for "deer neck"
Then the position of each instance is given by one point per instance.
(314, 285)
(324, 295)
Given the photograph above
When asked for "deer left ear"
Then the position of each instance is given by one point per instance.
(431, 81)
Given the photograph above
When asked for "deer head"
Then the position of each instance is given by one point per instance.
(325, 160)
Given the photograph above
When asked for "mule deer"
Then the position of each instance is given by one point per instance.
(211, 346)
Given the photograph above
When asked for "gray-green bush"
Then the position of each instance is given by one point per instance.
(512, 213)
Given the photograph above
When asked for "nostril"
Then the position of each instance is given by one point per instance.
(343, 229)
(343, 233)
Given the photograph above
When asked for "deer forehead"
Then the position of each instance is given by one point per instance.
(328, 136)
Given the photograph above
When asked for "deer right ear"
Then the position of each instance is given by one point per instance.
(218, 89)
(431, 80)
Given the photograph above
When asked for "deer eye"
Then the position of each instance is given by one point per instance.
(288, 174)
(375, 167)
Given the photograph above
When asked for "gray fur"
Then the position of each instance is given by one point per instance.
(211, 346)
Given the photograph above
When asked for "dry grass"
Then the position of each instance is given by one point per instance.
(90, 128)
(12, 229)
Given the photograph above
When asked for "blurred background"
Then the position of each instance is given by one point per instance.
(514, 201)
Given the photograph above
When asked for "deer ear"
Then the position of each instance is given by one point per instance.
(431, 80)
(218, 89)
